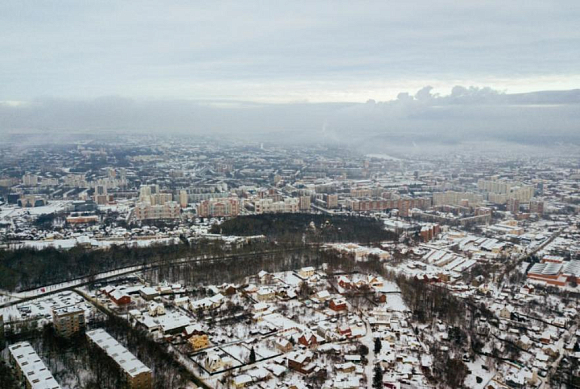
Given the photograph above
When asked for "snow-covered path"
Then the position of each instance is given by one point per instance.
(368, 341)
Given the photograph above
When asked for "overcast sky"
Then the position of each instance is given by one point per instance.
(169, 55)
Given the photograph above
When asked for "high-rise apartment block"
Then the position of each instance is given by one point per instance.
(30, 180)
(499, 191)
(101, 195)
(304, 203)
(537, 206)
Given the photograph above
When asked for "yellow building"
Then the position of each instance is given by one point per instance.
(68, 321)
(198, 342)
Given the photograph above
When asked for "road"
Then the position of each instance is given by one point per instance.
(368, 341)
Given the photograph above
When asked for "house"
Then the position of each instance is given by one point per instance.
(191, 330)
(164, 289)
(338, 305)
(345, 330)
(323, 295)
(284, 345)
(306, 272)
(108, 290)
(198, 342)
(181, 301)
(148, 293)
(357, 331)
(120, 298)
(524, 342)
(551, 350)
(301, 361)
(527, 289)
(308, 339)
(345, 283)
(347, 382)
(348, 367)
(215, 362)
(380, 315)
(230, 290)
(207, 303)
(353, 358)
(258, 374)
(375, 282)
(546, 337)
(265, 294)
(217, 300)
(260, 307)
(156, 309)
(506, 312)
(242, 380)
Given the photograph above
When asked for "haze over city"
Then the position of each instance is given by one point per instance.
(290, 194)
(419, 70)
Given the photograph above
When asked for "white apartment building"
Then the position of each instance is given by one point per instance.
(146, 211)
(30, 367)
(30, 180)
(288, 205)
(456, 198)
(499, 191)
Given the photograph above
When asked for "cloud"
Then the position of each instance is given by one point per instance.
(287, 51)
(465, 114)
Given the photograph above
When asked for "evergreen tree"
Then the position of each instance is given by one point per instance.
(378, 377)
(378, 345)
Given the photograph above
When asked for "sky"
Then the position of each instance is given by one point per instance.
(96, 65)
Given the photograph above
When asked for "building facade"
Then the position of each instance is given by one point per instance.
(219, 207)
(146, 211)
(68, 321)
(30, 368)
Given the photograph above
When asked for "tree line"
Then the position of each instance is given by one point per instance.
(30, 268)
(309, 227)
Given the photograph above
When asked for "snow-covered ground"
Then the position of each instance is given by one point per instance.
(41, 309)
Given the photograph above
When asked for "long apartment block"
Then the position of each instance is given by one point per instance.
(30, 367)
(138, 375)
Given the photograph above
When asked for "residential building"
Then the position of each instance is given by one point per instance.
(30, 180)
(457, 198)
(537, 206)
(138, 375)
(30, 368)
(68, 321)
(219, 207)
(288, 205)
(198, 342)
(183, 198)
(304, 203)
(101, 195)
(146, 211)
(513, 206)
